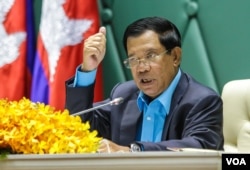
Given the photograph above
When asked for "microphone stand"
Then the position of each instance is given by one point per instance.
(116, 101)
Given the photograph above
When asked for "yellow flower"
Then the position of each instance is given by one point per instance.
(36, 128)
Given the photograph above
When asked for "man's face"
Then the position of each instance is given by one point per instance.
(155, 76)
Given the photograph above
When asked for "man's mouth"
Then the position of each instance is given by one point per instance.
(146, 80)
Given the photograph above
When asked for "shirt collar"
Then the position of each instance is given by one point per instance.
(164, 98)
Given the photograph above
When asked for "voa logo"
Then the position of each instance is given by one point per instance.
(236, 161)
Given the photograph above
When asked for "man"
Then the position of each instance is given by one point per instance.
(163, 107)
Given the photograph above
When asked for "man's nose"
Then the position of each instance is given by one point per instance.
(143, 65)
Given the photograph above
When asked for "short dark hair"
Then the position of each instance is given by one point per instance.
(169, 35)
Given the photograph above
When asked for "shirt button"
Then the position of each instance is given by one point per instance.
(148, 118)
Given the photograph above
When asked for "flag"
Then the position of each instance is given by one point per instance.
(14, 73)
(63, 27)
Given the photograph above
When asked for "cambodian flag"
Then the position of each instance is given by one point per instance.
(15, 73)
(63, 27)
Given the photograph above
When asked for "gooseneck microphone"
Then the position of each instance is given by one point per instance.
(115, 101)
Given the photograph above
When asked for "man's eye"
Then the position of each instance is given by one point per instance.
(150, 56)
(132, 59)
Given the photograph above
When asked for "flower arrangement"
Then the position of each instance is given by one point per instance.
(35, 128)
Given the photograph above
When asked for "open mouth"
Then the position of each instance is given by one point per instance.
(146, 81)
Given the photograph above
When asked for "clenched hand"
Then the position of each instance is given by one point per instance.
(94, 50)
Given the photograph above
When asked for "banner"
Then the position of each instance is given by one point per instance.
(63, 27)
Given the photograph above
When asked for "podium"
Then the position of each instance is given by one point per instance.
(115, 161)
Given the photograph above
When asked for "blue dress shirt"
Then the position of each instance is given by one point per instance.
(155, 112)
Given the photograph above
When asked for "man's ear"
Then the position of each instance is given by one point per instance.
(176, 53)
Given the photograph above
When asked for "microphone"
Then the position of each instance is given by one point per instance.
(115, 101)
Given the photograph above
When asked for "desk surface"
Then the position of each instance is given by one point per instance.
(115, 161)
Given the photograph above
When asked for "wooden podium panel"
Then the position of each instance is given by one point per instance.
(115, 161)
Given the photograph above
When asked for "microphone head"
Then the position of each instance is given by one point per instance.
(117, 101)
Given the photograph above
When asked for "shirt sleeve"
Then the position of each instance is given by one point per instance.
(84, 78)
